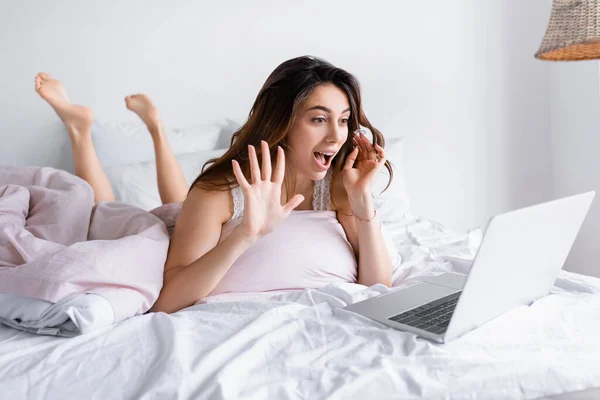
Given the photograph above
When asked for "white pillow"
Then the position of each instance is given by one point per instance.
(136, 183)
(129, 143)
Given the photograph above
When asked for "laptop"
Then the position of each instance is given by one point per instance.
(520, 256)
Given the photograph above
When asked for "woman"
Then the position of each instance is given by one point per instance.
(317, 198)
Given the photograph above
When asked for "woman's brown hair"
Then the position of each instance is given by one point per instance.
(274, 112)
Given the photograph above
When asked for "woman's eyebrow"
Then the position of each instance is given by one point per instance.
(327, 110)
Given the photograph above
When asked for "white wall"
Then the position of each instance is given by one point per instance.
(457, 79)
(575, 142)
(479, 144)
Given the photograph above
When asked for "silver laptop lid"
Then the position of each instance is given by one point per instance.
(518, 261)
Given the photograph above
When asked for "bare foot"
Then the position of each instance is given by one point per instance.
(77, 119)
(145, 109)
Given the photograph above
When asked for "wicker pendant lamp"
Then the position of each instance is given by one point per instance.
(573, 31)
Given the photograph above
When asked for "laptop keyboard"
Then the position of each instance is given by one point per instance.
(431, 317)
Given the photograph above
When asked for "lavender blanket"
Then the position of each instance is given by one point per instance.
(67, 266)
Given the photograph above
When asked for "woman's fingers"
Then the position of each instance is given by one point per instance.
(254, 168)
(380, 154)
(361, 155)
(351, 159)
(361, 145)
(280, 166)
(368, 147)
(380, 162)
(356, 144)
(293, 203)
(239, 175)
(266, 161)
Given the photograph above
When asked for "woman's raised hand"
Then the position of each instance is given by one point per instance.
(263, 211)
(361, 167)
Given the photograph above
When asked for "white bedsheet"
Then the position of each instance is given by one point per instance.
(303, 345)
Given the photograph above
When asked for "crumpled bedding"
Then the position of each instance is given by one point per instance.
(66, 266)
(302, 344)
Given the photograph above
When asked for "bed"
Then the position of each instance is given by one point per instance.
(303, 344)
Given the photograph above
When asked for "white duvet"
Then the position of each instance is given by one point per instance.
(304, 345)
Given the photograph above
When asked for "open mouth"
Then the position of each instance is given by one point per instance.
(323, 159)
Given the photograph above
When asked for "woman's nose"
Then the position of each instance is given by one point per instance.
(335, 134)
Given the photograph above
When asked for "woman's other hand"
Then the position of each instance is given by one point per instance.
(263, 211)
(360, 169)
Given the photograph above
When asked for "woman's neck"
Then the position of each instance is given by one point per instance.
(303, 185)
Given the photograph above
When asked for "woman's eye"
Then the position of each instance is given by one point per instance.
(344, 121)
(319, 120)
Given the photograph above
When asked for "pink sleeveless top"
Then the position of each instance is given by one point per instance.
(309, 249)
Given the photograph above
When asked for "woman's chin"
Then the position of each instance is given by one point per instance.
(318, 175)
(312, 173)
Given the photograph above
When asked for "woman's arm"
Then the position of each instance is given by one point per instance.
(195, 263)
(183, 286)
(374, 260)
(357, 214)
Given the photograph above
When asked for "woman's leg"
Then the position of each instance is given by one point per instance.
(78, 120)
(172, 185)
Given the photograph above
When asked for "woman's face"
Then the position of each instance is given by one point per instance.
(320, 130)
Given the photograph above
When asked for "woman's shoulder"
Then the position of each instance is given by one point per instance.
(214, 202)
